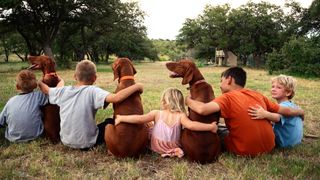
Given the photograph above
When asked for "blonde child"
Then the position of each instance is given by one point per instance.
(79, 104)
(165, 135)
(22, 113)
(288, 130)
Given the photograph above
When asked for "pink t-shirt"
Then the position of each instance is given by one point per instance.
(165, 139)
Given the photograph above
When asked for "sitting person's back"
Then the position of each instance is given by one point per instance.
(22, 113)
(79, 105)
(165, 136)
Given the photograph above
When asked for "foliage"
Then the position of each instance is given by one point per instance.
(298, 56)
(168, 49)
(252, 29)
(96, 28)
(311, 19)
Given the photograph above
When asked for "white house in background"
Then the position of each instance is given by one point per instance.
(225, 60)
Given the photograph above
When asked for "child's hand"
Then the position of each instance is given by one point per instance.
(214, 127)
(186, 99)
(117, 120)
(257, 112)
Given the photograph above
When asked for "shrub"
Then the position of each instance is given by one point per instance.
(300, 56)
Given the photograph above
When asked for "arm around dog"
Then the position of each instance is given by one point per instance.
(45, 88)
(198, 126)
(202, 108)
(136, 119)
(124, 93)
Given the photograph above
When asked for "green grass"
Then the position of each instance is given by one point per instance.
(40, 159)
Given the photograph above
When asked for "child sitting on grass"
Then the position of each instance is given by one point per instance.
(165, 135)
(288, 130)
(79, 105)
(22, 113)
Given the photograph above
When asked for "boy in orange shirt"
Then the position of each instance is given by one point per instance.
(246, 136)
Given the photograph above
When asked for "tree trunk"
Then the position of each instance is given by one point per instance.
(225, 59)
(17, 54)
(47, 50)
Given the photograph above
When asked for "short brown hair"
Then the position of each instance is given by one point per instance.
(26, 81)
(85, 71)
(237, 73)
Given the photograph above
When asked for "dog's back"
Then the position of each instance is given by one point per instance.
(127, 140)
(203, 147)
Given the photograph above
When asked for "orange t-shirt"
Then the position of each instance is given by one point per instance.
(246, 136)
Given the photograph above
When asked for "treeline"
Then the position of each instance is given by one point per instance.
(260, 34)
(70, 30)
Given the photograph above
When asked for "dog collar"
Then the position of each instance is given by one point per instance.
(197, 82)
(50, 74)
(126, 78)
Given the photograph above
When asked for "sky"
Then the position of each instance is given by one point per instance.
(164, 18)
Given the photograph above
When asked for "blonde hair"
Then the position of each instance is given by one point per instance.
(288, 82)
(85, 71)
(172, 99)
(26, 81)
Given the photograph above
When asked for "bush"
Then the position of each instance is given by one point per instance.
(300, 56)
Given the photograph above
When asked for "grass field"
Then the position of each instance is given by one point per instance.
(40, 159)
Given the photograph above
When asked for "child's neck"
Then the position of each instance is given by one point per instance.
(81, 83)
(283, 99)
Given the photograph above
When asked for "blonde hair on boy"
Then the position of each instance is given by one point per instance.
(85, 71)
(26, 81)
(288, 82)
(172, 99)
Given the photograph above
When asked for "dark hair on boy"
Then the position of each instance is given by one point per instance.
(26, 81)
(238, 74)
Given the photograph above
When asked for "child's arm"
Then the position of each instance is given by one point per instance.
(198, 126)
(136, 119)
(61, 82)
(124, 93)
(202, 108)
(259, 113)
(43, 87)
(287, 111)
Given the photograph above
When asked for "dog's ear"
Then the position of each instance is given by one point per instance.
(133, 69)
(187, 76)
(115, 71)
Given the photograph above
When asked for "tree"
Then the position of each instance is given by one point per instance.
(37, 21)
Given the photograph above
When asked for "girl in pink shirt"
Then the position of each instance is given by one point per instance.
(165, 134)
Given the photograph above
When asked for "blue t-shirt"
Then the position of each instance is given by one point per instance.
(23, 116)
(289, 130)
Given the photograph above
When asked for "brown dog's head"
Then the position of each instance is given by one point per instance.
(185, 69)
(123, 67)
(45, 63)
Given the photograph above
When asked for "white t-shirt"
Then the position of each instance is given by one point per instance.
(78, 107)
(23, 116)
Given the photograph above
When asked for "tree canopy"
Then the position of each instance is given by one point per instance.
(72, 29)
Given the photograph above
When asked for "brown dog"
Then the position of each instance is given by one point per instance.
(203, 147)
(51, 119)
(126, 140)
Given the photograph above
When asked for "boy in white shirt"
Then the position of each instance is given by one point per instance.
(79, 104)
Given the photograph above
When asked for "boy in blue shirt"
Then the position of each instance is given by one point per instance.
(22, 113)
(288, 130)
